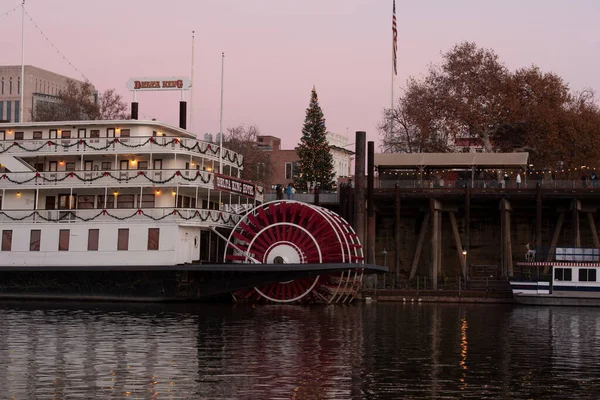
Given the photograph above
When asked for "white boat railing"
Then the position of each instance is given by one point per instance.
(137, 178)
(120, 145)
(183, 216)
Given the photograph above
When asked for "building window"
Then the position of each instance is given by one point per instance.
(10, 86)
(2, 86)
(37, 135)
(85, 202)
(109, 200)
(8, 110)
(93, 236)
(34, 240)
(19, 135)
(17, 110)
(153, 237)
(63, 239)
(587, 275)
(106, 165)
(2, 112)
(6, 240)
(563, 274)
(291, 170)
(123, 239)
(125, 201)
(148, 201)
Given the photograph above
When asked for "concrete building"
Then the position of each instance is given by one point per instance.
(40, 85)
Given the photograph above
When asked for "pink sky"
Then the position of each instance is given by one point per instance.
(276, 50)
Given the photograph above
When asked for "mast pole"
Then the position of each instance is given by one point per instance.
(21, 105)
(221, 116)
(192, 86)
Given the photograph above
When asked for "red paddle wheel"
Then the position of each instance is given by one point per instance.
(291, 232)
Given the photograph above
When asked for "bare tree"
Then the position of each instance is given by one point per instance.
(76, 102)
(258, 166)
(112, 106)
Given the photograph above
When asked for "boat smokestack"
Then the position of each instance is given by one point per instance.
(134, 110)
(182, 114)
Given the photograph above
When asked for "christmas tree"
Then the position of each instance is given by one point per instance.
(316, 162)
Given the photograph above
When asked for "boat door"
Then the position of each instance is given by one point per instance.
(66, 202)
(123, 167)
(157, 167)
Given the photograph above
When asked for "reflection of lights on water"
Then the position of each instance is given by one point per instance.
(463, 350)
(463, 344)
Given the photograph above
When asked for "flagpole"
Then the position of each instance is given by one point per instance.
(394, 67)
(221, 117)
(192, 87)
(22, 61)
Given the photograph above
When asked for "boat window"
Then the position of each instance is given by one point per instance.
(85, 202)
(34, 240)
(126, 201)
(123, 239)
(563, 274)
(6, 240)
(63, 239)
(153, 238)
(37, 134)
(587, 275)
(93, 236)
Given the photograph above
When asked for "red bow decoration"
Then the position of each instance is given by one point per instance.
(177, 173)
(139, 212)
(151, 140)
(37, 175)
(116, 140)
(103, 212)
(71, 175)
(140, 172)
(176, 140)
(105, 173)
(49, 143)
(174, 212)
(80, 141)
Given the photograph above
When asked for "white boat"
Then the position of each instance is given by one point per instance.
(573, 280)
(144, 211)
(106, 193)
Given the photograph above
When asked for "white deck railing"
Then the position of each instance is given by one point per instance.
(183, 216)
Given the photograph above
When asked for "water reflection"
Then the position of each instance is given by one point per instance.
(374, 351)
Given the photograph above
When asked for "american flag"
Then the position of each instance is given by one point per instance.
(395, 36)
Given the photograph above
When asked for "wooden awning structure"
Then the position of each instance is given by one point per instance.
(450, 160)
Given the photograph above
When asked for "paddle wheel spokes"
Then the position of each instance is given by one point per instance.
(291, 232)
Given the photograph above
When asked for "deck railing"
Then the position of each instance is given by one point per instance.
(187, 216)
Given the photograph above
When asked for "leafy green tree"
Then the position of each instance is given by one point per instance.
(316, 161)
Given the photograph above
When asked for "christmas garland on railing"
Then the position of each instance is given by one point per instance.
(38, 175)
(67, 215)
(234, 159)
(123, 141)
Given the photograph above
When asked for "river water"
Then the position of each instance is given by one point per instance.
(362, 351)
